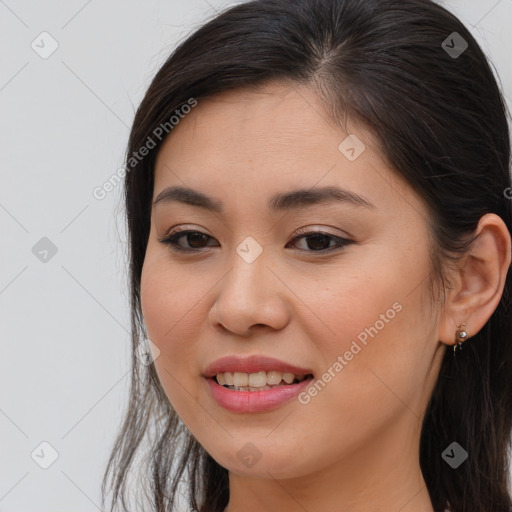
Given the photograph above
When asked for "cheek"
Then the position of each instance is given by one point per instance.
(168, 297)
(171, 287)
(381, 296)
(351, 307)
(171, 306)
(378, 323)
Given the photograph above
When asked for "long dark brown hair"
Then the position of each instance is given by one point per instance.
(441, 122)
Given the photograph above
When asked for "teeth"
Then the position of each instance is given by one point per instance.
(274, 377)
(288, 377)
(257, 380)
(240, 379)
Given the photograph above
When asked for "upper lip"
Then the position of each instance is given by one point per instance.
(252, 364)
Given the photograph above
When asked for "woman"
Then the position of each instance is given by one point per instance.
(319, 219)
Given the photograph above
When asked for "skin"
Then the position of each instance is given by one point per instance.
(355, 445)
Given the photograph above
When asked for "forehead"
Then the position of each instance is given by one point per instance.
(249, 142)
(259, 121)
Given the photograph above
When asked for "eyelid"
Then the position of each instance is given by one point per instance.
(315, 228)
(182, 227)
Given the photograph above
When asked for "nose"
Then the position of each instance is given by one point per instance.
(249, 297)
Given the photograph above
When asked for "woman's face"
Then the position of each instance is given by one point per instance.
(357, 315)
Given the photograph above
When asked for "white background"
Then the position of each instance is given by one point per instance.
(64, 324)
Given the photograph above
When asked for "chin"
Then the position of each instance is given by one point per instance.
(277, 465)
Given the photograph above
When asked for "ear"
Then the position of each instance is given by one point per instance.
(478, 282)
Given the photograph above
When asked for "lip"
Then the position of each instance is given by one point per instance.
(254, 401)
(252, 364)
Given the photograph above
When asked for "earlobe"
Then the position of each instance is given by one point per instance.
(479, 280)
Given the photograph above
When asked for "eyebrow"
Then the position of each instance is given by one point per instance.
(296, 199)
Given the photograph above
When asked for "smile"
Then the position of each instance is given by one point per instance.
(255, 398)
(241, 381)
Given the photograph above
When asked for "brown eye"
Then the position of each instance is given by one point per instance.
(319, 241)
(195, 239)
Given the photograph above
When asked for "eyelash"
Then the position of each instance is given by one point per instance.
(172, 239)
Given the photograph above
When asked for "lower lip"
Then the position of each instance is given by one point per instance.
(255, 401)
